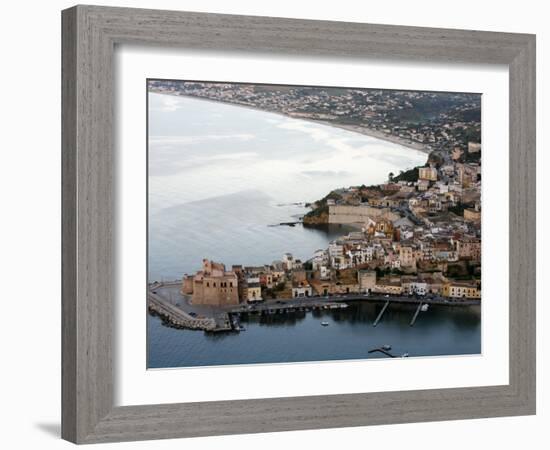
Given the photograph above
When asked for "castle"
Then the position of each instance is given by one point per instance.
(212, 285)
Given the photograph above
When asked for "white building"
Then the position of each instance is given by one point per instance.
(336, 255)
(288, 261)
(324, 272)
(302, 289)
(418, 287)
(320, 258)
(360, 255)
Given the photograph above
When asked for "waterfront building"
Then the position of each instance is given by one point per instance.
(212, 285)
(434, 282)
(253, 290)
(344, 287)
(462, 289)
(301, 289)
(414, 285)
(388, 285)
(366, 280)
(321, 287)
(187, 285)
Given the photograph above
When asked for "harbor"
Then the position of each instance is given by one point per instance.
(326, 244)
(166, 300)
(318, 334)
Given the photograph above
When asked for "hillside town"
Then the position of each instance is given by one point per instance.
(397, 271)
(419, 235)
(436, 122)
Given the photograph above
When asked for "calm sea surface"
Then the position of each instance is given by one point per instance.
(219, 176)
(299, 336)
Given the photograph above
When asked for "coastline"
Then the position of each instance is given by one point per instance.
(178, 314)
(377, 135)
(352, 128)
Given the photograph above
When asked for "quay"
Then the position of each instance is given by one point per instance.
(165, 299)
(176, 316)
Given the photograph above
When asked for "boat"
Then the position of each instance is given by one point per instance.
(386, 347)
(424, 307)
(325, 324)
(405, 355)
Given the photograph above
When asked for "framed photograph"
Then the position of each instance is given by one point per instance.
(279, 224)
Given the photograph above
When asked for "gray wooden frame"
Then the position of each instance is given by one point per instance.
(89, 36)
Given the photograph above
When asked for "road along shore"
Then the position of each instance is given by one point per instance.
(165, 300)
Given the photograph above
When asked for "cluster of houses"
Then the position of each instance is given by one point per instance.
(378, 110)
(216, 286)
(419, 237)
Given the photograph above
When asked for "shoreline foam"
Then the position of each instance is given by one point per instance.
(352, 128)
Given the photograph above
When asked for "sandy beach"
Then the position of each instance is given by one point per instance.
(354, 128)
(377, 135)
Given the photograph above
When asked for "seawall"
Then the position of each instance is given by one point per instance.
(345, 214)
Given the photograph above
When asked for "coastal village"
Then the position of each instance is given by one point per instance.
(418, 235)
(419, 238)
(429, 121)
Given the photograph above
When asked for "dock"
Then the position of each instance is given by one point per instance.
(381, 313)
(381, 350)
(413, 320)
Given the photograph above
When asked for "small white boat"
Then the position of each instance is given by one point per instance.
(405, 355)
(386, 347)
(424, 307)
(325, 324)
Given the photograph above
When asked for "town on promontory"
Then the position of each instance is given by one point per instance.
(298, 223)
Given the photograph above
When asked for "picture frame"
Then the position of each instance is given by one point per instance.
(89, 37)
